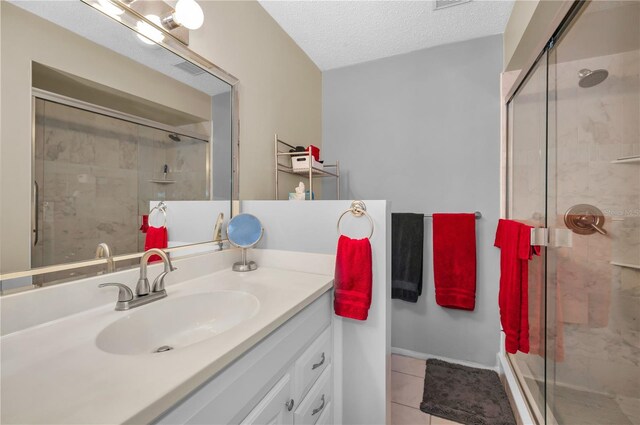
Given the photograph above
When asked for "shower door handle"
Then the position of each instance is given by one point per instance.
(539, 236)
(35, 215)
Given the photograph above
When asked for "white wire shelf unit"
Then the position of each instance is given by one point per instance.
(282, 161)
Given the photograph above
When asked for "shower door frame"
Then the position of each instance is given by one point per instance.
(555, 30)
(506, 209)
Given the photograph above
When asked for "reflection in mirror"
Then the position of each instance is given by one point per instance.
(98, 129)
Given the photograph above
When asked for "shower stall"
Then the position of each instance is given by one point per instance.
(95, 175)
(573, 168)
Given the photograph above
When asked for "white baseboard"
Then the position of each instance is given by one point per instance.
(515, 394)
(424, 356)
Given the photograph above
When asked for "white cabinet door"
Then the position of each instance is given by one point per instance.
(276, 408)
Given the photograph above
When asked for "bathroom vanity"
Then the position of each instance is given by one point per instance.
(285, 379)
(222, 347)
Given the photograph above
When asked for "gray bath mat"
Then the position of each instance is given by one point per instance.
(465, 394)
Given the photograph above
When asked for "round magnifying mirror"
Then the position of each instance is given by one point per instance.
(244, 231)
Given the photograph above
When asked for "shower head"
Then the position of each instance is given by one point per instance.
(174, 137)
(589, 78)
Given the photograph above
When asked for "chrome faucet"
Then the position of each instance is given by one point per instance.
(143, 288)
(103, 250)
(144, 294)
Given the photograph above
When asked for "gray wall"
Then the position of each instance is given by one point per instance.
(423, 131)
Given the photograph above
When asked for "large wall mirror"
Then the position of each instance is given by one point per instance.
(105, 134)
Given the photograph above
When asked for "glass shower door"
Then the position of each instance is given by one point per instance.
(526, 195)
(593, 207)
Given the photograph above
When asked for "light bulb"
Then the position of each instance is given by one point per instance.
(189, 14)
(149, 34)
(109, 8)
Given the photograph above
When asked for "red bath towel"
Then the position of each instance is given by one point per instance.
(514, 240)
(353, 278)
(454, 260)
(157, 237)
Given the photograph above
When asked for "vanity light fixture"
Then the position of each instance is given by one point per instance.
(187, 13)
(110, 9)
(162, 18)
(148, 34)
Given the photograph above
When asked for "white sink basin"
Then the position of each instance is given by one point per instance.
(177, 322)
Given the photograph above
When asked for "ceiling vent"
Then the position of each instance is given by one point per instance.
(190, 68)
(442, 4)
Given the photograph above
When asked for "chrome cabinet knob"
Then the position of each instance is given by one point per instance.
(289, 405)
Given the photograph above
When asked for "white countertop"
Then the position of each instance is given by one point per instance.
(55, 373)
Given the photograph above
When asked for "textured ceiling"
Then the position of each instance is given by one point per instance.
(341, 33)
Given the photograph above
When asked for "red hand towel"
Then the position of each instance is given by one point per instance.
(157, 237)
(454, 260)
(353, 278)
(145, 223)
(513, 239)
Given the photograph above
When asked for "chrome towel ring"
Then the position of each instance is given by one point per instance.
(161, 207)
(358, 209)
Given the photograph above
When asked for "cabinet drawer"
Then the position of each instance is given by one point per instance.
(312, 363)
(317, 401)
(326, 418)
(273, 408)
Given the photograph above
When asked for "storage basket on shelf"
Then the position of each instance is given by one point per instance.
(303, 162)
(300, 164)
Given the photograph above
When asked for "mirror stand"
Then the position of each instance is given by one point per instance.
(243, 266)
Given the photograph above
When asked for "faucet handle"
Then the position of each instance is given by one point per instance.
(124, 292)
(158, 283)
(169, 266)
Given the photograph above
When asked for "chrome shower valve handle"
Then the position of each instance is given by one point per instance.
(585, 219)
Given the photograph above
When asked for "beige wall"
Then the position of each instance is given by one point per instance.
(280, 91)
(531, 24)
(280, 87)
(27, 38)
(521, 15)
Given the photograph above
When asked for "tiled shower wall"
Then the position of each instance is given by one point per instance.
(94, 174)
(600, 313)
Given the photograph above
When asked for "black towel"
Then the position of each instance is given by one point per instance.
(407, 238)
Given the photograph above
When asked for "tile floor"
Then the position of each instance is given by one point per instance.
(407, 383)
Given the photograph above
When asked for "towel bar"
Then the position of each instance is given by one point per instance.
(477, 213)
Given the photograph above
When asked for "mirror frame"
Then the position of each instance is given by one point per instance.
(129, 19)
